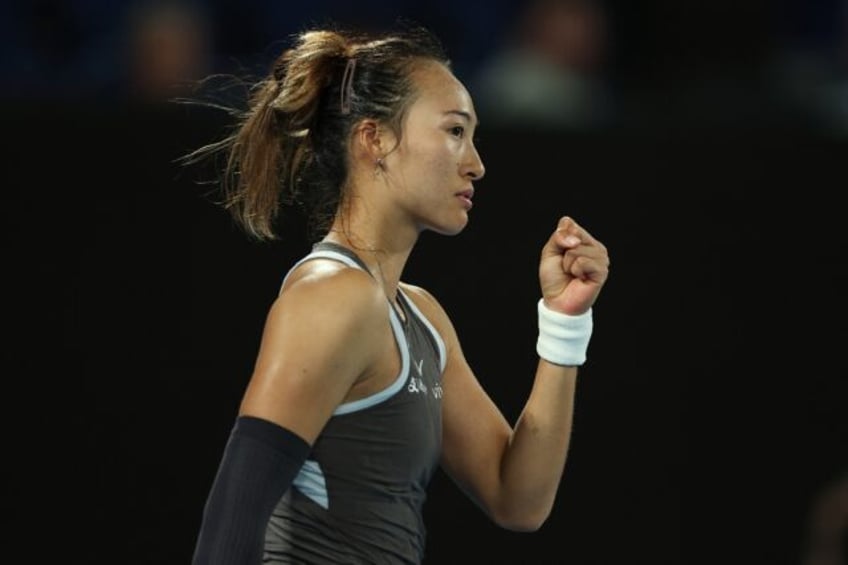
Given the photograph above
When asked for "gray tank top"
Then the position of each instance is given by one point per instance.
(359, 496)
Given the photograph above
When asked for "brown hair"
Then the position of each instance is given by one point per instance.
(291, 144)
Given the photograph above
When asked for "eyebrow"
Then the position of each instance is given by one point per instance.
(462, 113)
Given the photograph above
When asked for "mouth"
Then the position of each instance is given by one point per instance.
(466, 196)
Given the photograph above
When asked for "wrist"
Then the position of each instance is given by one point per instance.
(563, 339)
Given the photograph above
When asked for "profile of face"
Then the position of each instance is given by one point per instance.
(436, 163)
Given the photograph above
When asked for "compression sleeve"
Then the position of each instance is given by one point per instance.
(259, 463)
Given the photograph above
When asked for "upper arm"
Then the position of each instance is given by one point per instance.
(475, 433)
(319, 337)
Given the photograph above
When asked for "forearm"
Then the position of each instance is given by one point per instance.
(534, 460)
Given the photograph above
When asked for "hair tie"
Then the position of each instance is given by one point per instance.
(347, 85)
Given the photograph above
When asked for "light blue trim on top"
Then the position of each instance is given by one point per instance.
(397, 330)
(322, 255)
(376, 398)
(310, 481)
(436, 336)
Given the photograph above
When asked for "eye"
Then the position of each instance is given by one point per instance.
(458, 131)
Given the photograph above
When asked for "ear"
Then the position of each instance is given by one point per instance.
(370, 141)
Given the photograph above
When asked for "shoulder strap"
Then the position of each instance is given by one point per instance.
(336, 248)
(429, 330)
(329, 250)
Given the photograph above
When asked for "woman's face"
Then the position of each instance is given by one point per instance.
(436, 162)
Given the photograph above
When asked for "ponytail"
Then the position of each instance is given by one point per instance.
(290, 145)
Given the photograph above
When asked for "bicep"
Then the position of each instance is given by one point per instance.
(475, 433)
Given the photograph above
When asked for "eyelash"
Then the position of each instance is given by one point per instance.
(459, 131)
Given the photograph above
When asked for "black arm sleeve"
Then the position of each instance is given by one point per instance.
(259, 463)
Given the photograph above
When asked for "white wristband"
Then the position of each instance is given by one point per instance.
(563, 339)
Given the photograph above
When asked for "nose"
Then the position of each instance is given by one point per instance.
(474, 168)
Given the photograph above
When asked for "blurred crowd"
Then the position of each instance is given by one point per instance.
(541, 63)
(115, 48)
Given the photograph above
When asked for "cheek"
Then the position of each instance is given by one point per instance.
(438, 160)
(430, 163)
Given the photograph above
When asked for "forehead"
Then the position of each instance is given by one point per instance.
(440, 91)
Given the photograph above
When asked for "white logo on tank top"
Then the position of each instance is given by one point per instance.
(416, 385)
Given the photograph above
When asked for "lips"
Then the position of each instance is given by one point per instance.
(466, 196)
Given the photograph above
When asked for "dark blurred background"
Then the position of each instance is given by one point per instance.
(704, 143)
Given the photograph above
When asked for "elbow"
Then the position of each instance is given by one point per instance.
(525, 520)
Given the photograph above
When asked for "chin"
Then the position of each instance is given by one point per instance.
(450, 229)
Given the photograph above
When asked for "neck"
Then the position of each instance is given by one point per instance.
(368, 222)
(385, 258)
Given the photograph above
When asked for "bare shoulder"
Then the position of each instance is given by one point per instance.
(429, 306)
(325, 286)
(422, 297)
(324, 331)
